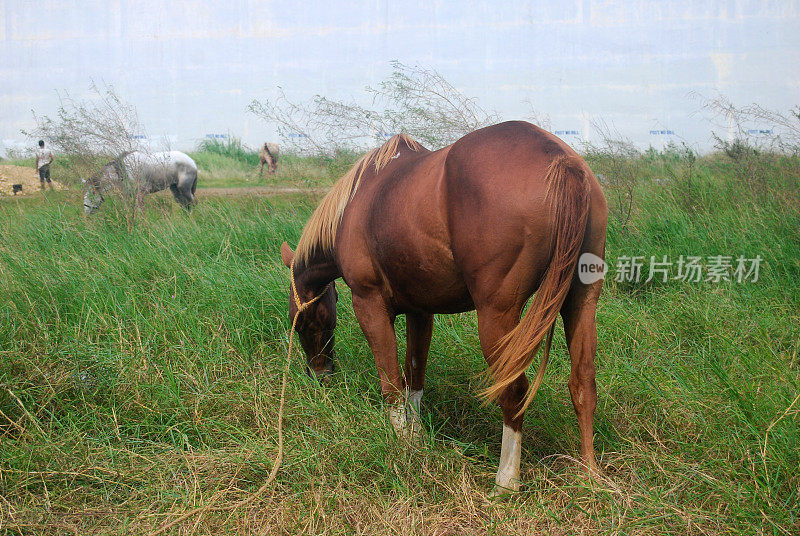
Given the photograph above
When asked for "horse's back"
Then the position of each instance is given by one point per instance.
(161, 159)
(502, 164)
(160, 170)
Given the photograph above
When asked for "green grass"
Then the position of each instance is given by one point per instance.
(221, 171)
(229, 164)
(147, 365)
(231, 148)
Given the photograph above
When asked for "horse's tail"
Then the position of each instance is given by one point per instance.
(567, 196)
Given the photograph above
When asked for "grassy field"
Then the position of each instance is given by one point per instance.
(229, 164)
(140, 374)
(225, 167)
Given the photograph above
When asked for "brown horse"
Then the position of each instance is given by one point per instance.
(268, 154)
(481, 224)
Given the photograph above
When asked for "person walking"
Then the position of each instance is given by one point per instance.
(44, 157)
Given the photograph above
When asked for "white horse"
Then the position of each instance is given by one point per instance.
(145, 173)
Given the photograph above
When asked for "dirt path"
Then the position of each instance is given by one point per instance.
(14, 174)
(24, 176)
(258, 191)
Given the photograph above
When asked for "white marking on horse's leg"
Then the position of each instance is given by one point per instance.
(510, 452)
(397, 416)
(414, 399)
(414, 426)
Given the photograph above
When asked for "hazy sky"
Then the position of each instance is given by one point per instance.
(192, 67)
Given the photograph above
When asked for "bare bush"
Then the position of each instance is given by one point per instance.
(676, 165)
(776, 131)
(414, 100)
(321, 127)
(88, 133)
(619, 165)
(755, 137)
(541, 120)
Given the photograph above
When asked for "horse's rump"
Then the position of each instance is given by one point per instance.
(269, 154)
(518, 201)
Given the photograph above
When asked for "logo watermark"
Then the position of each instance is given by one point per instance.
(591, 268)
(687, 268)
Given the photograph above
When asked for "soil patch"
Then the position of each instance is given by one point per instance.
(259, 190)
(26, 176)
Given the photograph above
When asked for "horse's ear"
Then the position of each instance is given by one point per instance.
(287, 254)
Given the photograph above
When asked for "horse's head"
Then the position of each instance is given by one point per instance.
(92, 196)
(316, 322)
(96, 184)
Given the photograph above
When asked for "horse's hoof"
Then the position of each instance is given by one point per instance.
(406, 423)
(504, 484)
(413, 431)
(593, 471)
(498, 492)
(397, 418)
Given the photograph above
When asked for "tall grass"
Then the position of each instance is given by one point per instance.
(230, 148)
(140, 373)
(229, 163)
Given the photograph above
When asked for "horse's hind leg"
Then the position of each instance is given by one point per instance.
(580, 329)
(189, 187)
(493, 325)
(418, 334)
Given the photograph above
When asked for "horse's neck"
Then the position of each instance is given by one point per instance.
(314, 276)
(113, 172)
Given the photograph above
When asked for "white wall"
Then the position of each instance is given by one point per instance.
(192, 67)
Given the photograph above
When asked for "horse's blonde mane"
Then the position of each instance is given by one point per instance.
(319, 234)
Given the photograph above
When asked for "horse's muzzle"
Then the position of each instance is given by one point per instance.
(322, 372)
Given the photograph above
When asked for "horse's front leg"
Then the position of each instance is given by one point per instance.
(419, 328)
(377, 322)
